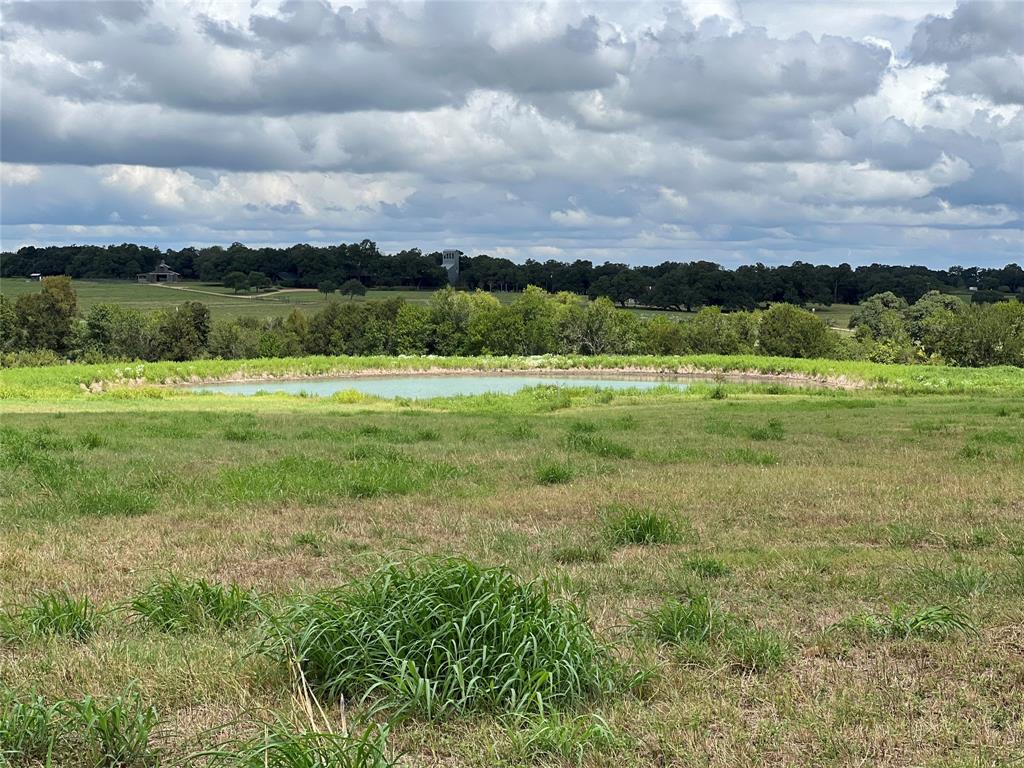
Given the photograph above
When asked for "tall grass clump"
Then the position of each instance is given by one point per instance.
(628, 525)
(52, 614)
(587, 441)
(551, 472)
(560, 737)
(937, 622)
(83, 732)
(28, 730)
(704, 633)
(440, 637)
(280, 746)
(116, 734)
(172, 604)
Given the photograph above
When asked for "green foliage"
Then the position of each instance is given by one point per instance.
(180, 333)
(44, 320)
(29, 728)
(573, 553)
(629, 525)
(598, 445)
(707, 567)
(551, 472)
(172, 604)
(53, 614)
(789, 331)
(281, 746)
(698, 627)
(443, 637)
(559, 736)
(932, 622)
(115, 734)
(352, 287)
(83, 732)
(773, 430)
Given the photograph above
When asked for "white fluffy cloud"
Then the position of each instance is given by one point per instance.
(733, 131)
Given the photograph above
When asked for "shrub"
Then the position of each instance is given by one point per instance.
(53, 614)
(440, 637)
(625, 526)
(174, 605)
(280, 746)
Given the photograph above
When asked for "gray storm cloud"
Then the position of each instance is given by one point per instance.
(584, 130)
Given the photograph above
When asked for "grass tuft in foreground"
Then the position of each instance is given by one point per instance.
(174, 605)
(83, 732)
(705, 633)
(561, 737)
(934, 623)
(52, 614)
(443, 637)
(627, 525)
(280, 746)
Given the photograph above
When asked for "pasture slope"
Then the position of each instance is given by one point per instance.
(739, 574)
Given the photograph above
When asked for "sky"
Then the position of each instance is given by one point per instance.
(737, 132)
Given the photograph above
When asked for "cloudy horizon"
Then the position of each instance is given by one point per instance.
(736, 132)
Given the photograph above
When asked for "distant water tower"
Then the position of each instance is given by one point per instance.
(450, 261)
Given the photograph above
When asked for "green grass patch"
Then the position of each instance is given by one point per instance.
(554, 472)
(172, 604)
(52, 614)
(703, 633)
(625, 526)
(441, 637)
(373, 471)
(707, 567)
(938, 622)
(598, 445)
(561, 737)
(752, 457)
(85, 732)
(772, 430)
(282, 746)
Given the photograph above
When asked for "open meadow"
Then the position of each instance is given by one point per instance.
(737, 574)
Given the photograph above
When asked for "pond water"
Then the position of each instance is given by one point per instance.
(421, 386)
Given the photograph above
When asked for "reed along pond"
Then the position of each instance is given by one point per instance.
(421, 387)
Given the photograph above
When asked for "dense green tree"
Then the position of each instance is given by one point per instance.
(236, 281)
(181, 332)
(117, 332)
(352, 287)
(789, 331)
(46, 320)
(11, 337)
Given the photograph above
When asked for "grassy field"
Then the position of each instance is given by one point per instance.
(221, 301)
(736, 574)
(224, 304)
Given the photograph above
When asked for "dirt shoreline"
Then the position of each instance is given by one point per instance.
(640, 373)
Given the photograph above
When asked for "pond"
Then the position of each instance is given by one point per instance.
(422, 386)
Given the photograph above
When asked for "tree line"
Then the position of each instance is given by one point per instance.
(46, 327)
(670, 285)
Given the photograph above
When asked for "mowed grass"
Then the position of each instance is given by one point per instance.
(198, 580)
(223, 302)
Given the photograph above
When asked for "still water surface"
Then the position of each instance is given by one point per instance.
(421, 387)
